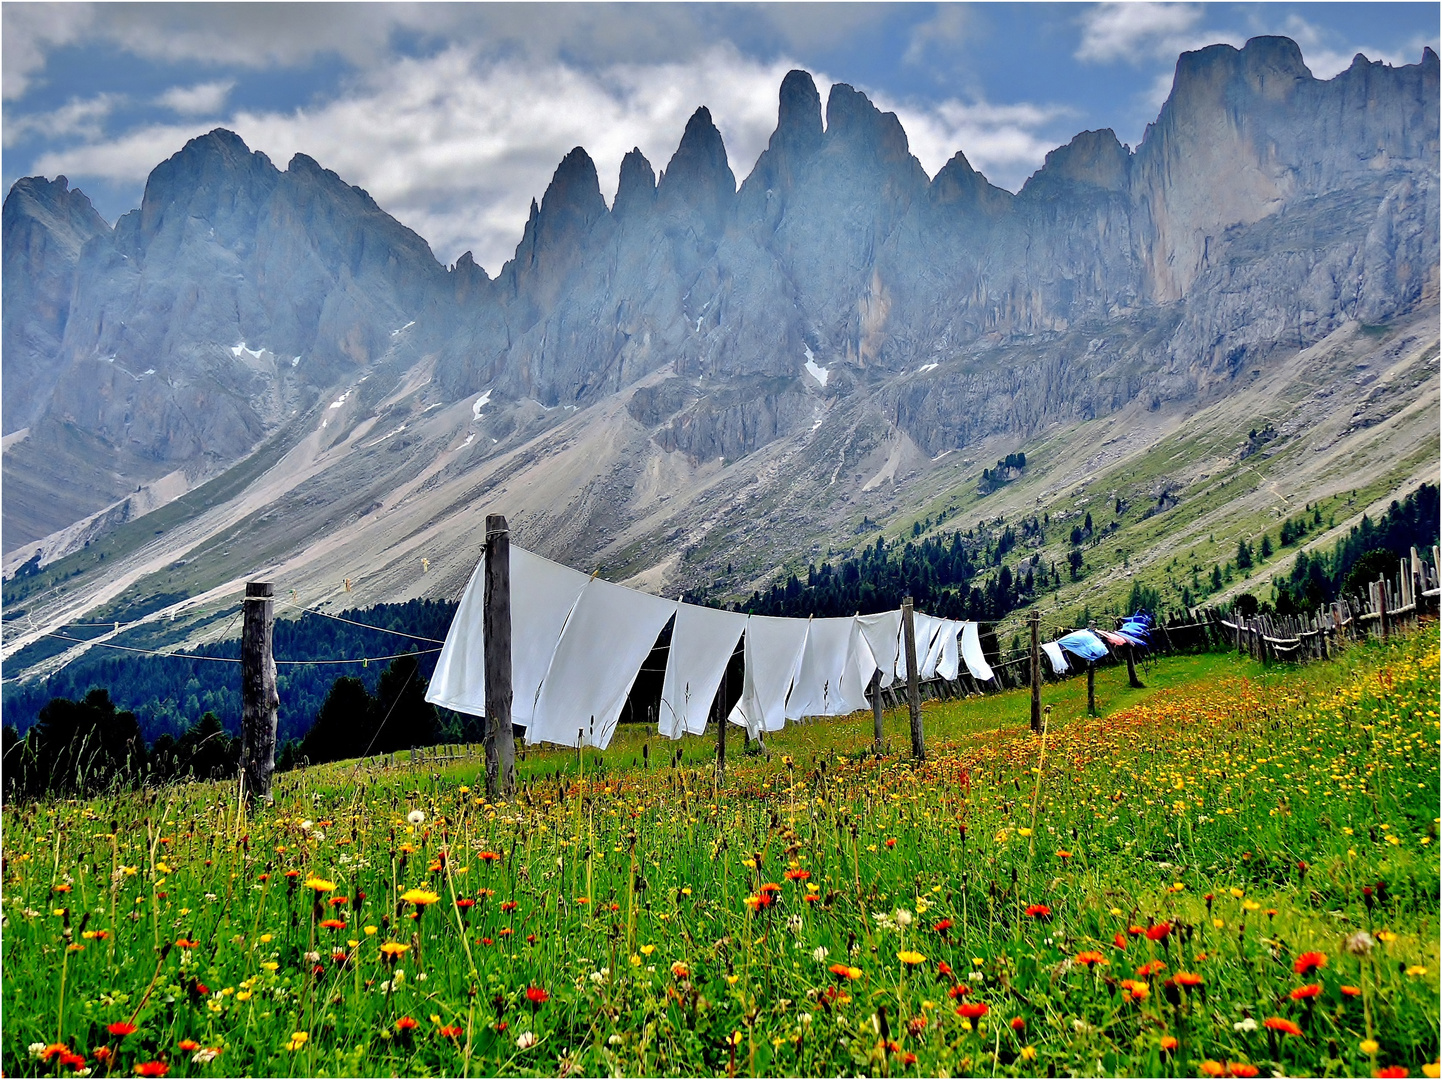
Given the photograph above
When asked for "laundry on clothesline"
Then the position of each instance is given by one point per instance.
(1054, 653)
(578, 643)
(1085, 644)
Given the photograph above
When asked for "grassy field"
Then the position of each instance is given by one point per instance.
(1233, 871)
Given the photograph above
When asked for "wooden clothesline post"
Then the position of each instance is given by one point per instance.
(913, 682)
(496, 628)
(259, 699)
(1035, 622)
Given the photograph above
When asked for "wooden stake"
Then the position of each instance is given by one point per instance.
(1132, 669)
(1382, 605)
(876, 709)
(496, 626)
(1091, 688)
(259, 699)
(913, 685)
(1035, 622)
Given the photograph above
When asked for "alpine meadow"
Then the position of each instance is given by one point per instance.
(868, 584)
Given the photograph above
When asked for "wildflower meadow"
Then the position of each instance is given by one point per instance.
(1231, 873)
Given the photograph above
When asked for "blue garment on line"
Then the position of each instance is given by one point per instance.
(1085, 644)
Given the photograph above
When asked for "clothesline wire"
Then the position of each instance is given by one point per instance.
(236, 660)
(367, 626)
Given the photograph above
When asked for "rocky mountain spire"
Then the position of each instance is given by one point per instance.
(698, 175)
(636, 189)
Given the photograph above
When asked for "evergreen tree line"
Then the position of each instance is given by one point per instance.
(167, 694)
(1371, 549)
(959, 575)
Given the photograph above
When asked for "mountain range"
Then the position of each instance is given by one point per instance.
(259, 372)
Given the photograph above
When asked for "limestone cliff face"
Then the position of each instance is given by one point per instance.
(45, 226)
(1261, 210)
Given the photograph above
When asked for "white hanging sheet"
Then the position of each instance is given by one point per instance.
(606, 639)
(773, 653)
(881, 634)
(950, 663)
(701, 646)
(972, 654)
(543, 594)
(818, 689)
(925, 627)
(1053, 652)
(930, 665)
(860, 667)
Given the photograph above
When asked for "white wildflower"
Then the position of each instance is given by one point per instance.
(794, 924)
(306, 826)
(205, 1055)
(1245, 1025)
(903, 918)
(599, 977)
(526, 1039)
(820, 954)
(416, 817)
(36, 1049)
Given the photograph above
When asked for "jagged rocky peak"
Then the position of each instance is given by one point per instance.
(958, 184)
(215, 178)
(1095, 158)
(68, 212)
(636, 189)
(698, 175)
(574, 192)
(798, 117)
(852, 119)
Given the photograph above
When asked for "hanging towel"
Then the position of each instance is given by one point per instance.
(817, 690)
(860, 668)
(1115, 640)
(1056, 656)
(701, 647)
(929, 666)
(773, 652)
(607, 638)
(882, 636)
(950, 664)
(925, 627)
(1085, 644)
(972, 654)
(543, 594)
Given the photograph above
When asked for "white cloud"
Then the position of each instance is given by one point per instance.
(1326, 57)
(1005, 142)
(30, 32)
(1136, 32)
(456, 148)
(78, 117)
(198, 100)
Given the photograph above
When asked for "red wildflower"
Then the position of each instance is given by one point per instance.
(333, 924)
(942, 927)
(407, 1023)
(72, 1060)
(1090, 957)
(1286, 1027)
(943, 968)
(1391, 1070)
(536, 996)
(1038, 911)
(152, 1068)
(797, 875)
(1119, 941)
(454, 1031)
(1241, 1068)
(464, 904)
(1311, 990)
(1152, 967)
(1309, 962)
(487, 941)
(188, 1045)
(909, 1058)
(508, 905)
(960, 990)
(1350, 991)
(1018, 1024)
(121, 1028)
(891, 841)
(1159, 931)
(972, 1010)
(489, 856)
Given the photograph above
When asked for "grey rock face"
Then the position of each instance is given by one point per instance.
(45, 226)
(1262, 209)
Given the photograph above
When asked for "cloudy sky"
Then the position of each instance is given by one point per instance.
(453, 116)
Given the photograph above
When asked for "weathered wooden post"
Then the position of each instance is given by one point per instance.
(499, 738)
(1035, 622)
(913, 686)
(1132, 679)
(721, 722)
(1382, 605)
(259, 699)
(876, 710)
(1091, 687)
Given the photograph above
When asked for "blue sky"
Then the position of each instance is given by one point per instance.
(454, 115)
